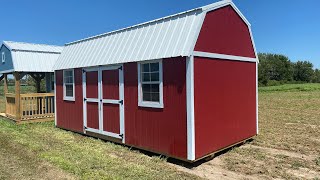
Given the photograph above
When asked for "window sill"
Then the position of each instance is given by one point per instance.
(151, 104)
(69, 99)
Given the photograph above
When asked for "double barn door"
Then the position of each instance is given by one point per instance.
(103, 101)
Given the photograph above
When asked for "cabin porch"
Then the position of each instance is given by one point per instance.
(28, 106)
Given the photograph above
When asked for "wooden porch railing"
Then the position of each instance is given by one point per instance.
(32, 106)
(10, 105)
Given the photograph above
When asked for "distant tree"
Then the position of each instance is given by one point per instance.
(303, 71)
(274, 67)
(316, 76)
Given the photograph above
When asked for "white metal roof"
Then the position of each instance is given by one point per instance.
(171, 36)
(21, 46)
(27, 57)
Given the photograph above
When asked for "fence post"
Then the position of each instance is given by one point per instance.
(17, 95)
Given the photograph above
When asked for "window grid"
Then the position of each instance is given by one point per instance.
(3, 57)
(150, 82)
(68, 80)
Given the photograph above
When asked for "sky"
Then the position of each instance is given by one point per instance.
(288, 27)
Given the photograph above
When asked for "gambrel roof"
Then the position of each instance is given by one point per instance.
(28, 57)
(171, 36)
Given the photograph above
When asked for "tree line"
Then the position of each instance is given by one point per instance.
(276, 69)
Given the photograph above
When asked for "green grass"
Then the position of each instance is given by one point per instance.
(289, 122)
(82, 157)
(291, 88)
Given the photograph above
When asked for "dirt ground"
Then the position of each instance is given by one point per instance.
(287, 147)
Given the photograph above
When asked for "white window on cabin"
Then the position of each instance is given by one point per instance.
(150, 87)
(3, 57)
(68, 85)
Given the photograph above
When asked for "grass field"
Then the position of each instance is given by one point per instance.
(287, 147)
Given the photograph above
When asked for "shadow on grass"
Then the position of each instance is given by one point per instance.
(171, 160)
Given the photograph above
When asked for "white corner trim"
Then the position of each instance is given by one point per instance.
(190, 109)
(223, 56)
(257, 99)
(142, 103)
(66, 98)
(55, 99)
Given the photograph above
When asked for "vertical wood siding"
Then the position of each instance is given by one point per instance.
(92, 89)
(111, 116)
(93, 115)
(70, 113)
(161, 130)
(110, 84)
(225, 103)
(224, 32)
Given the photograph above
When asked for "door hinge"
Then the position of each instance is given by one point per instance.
(121, 102)
(84, 99)
(85, 127)
(83, 71)
(120, 68)
(121, 135)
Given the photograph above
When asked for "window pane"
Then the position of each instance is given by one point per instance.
(146, 88)
(69, 90)
(155, 76)
(146, 77)
(147, 96)
(154, 88)
(154, 67)
(155, 97)
(145, 68)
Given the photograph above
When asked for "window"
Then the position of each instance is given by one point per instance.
(68, 85)
(150, 84)
(3, 57)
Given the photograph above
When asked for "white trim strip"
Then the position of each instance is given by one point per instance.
(55, 99)
(84, 92)
(111, 101)
(190, 109)
(223, 56)
(257, 99)
(104, 133)
(7, 71)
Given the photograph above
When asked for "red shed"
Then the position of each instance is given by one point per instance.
(184, 85)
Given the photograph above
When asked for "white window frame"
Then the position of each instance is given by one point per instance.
(3, 60)
(150, 104)
(68, 98)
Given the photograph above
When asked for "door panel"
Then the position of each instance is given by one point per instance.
(111, 117)
(110, 84)
(103, 101)
(93, 115)
(92, 84)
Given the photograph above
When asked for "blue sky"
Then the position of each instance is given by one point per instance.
(287, 27)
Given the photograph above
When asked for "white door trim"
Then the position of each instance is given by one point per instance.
(102, 101)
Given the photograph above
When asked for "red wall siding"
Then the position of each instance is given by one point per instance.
(161, 130)
(224, 32)
(225, 103)
(69, 113)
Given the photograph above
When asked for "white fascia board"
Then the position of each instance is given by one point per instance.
(223, 56)
(7, 71)
(253, 44)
